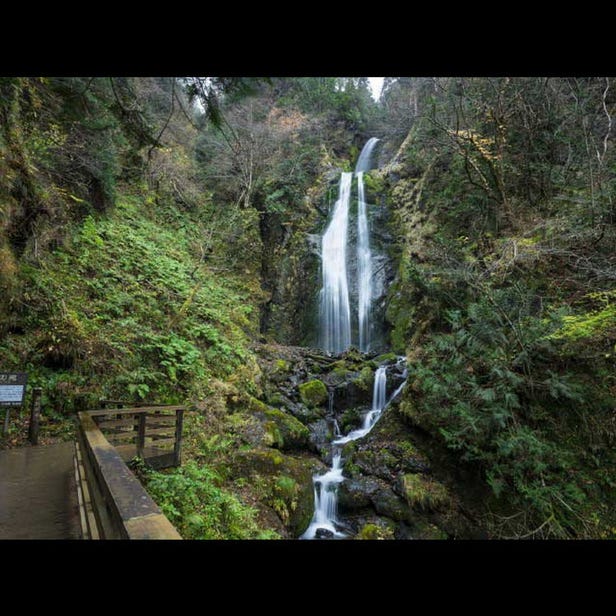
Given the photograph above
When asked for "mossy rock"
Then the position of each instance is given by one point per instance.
(356, 494)
(281, 366)
(385, 357)
(386, 502)
(275, 398)
(374, 182)
(423, 493)
(256, 406)
(287, 432)
(374, 532)
(350, 419)
(426, 530)
(306, 414)
(341, 374)
(353, 355)
(313, 393)
(365, 380)
(408, 409)
(281, 482)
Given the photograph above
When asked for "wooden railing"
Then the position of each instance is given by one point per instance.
(153, 433)
(113, 503)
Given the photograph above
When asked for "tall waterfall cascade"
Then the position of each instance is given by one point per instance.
(335, 309)
(335, 312)
(364, 255)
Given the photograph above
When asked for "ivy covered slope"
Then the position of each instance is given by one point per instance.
(138, 246)
(505, 300)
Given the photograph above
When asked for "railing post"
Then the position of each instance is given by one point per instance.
(5, 429)
(177, 446)
(35, 411)
(141, 435)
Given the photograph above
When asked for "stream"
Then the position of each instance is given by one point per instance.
(325, 523)
(338, 331)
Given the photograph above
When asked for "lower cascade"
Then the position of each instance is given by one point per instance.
(325, 523)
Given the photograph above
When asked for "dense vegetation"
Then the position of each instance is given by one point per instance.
(506, 289)
(155, 245)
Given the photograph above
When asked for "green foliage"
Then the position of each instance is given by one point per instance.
(593, 324)
(126, 306)
(423, 493)
(503, 300)
(373, 532)
(195, 503)
(346, 98)
(365, 380)
(488, 389)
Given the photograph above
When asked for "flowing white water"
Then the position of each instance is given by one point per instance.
(364, 254)
(364, 268)
(365, 156)
(335, 311)
(326, 500)
(325, 515)
(378, 404)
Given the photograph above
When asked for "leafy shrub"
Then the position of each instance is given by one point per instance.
(488, 389)
(195, 503)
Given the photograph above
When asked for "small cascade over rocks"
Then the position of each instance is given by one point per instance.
(325, 522)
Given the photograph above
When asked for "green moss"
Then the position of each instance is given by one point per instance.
(342, 373)
(423, 493)
(408, 409)
(313, 393)
(409, 450)
(281, 365)
(365, 380)
(257, 406)
(275, 399)
(372, 532)
(385, 357)
(287, 432)
(426, 530)
(280, 482)
(587, 326)
(350, 419)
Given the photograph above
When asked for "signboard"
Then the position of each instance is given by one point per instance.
(12, 388)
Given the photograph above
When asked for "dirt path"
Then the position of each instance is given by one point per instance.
(37, 493)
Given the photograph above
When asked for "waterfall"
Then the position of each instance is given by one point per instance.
(364, 255)
(326, 500)
(364, 268)
(378, 404)
(325, 517)
(335, 311)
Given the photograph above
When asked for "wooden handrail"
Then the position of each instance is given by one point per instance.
(148, 418)
(132, 410)
(120, 505)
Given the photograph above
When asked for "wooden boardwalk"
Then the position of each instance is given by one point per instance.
(38, 497)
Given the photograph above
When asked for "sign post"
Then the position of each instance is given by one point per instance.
(12, 392)
(35, 412)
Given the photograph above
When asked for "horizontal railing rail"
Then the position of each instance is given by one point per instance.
(113, 503)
